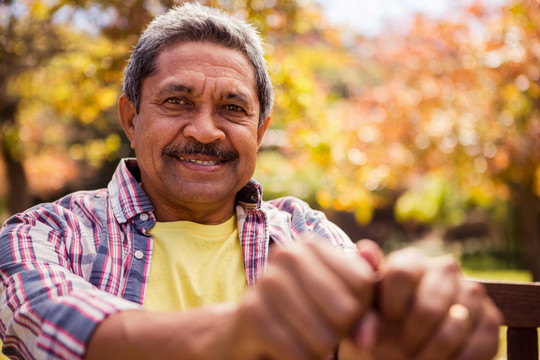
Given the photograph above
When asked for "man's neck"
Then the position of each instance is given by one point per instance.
(208, 216)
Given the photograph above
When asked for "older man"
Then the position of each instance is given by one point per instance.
(179, 258)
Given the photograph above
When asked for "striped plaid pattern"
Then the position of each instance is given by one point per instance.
(65, 266)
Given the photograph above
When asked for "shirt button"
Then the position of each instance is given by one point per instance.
(139, 254)
(144, 216)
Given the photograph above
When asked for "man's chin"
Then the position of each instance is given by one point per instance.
(203, 193)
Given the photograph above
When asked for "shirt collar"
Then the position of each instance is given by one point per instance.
(250, 196)
(128, 199)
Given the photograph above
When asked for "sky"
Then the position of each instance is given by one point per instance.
(368, 17)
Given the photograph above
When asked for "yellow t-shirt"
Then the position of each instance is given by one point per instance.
(193, 265)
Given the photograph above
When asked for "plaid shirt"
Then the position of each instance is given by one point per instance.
(65, 266)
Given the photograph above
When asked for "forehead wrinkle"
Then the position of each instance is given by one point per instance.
(235, 91)
(196, 80)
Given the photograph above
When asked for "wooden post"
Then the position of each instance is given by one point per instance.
(520, 305)
(522, 344)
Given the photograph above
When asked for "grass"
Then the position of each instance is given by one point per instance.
(499, 275)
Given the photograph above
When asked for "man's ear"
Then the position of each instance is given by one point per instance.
(261, 130)
(127, 114)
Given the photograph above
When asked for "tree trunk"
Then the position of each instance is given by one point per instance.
(18, 195)
(530, 220)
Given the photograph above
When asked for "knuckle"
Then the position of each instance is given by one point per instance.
(448, 264)
(288, 350)
(251, 308)
(322, 346)
(498, 318)
(287, 258)
(408, 251)
(362, 278)
(398, 275)
(365, 291)
(291, 351)
(473, 290)
(345, 311)
(447, 342)
(494, 320)
(271, 283)
(478, 288)
(431, 313)
(402, 258)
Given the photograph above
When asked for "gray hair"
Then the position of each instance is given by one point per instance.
(192, 22)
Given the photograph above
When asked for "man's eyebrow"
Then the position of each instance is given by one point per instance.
(238, 96)
(177, 88)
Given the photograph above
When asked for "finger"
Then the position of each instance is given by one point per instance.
(449, 335)
(348, 350)
(453, 331)
(312, 283)
(435, 294)
(339, 287)
(364, 332)
(483, 342)
(297, 313)
(356, 273)
(264, 333)
(400, 273)
(371, 252)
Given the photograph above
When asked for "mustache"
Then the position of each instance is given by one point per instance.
(198, 148)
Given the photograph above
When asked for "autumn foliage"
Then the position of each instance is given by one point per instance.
(440, 123)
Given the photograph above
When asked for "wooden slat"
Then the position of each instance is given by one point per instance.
(519, 302)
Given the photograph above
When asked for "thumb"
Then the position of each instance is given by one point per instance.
(371, 252)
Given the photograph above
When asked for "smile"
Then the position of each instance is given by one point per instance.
(200, 162)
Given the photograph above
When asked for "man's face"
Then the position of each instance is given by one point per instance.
(196, 135)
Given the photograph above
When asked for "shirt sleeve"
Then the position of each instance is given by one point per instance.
(48, 310)
(314, 224)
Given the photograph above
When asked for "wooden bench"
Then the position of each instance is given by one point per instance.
(520, 305)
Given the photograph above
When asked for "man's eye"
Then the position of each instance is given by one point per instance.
(233, 108)
(175, 101)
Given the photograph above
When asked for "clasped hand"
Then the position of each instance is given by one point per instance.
(313, 300)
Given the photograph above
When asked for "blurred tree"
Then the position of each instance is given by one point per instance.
(454, 121)
(27, 40)
(59, 79)
(512, 62)
(61, 68)
(438, 120)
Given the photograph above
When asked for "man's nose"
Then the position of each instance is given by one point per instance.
(203, 127)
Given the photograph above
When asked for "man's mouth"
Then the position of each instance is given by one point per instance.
(200, 162)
